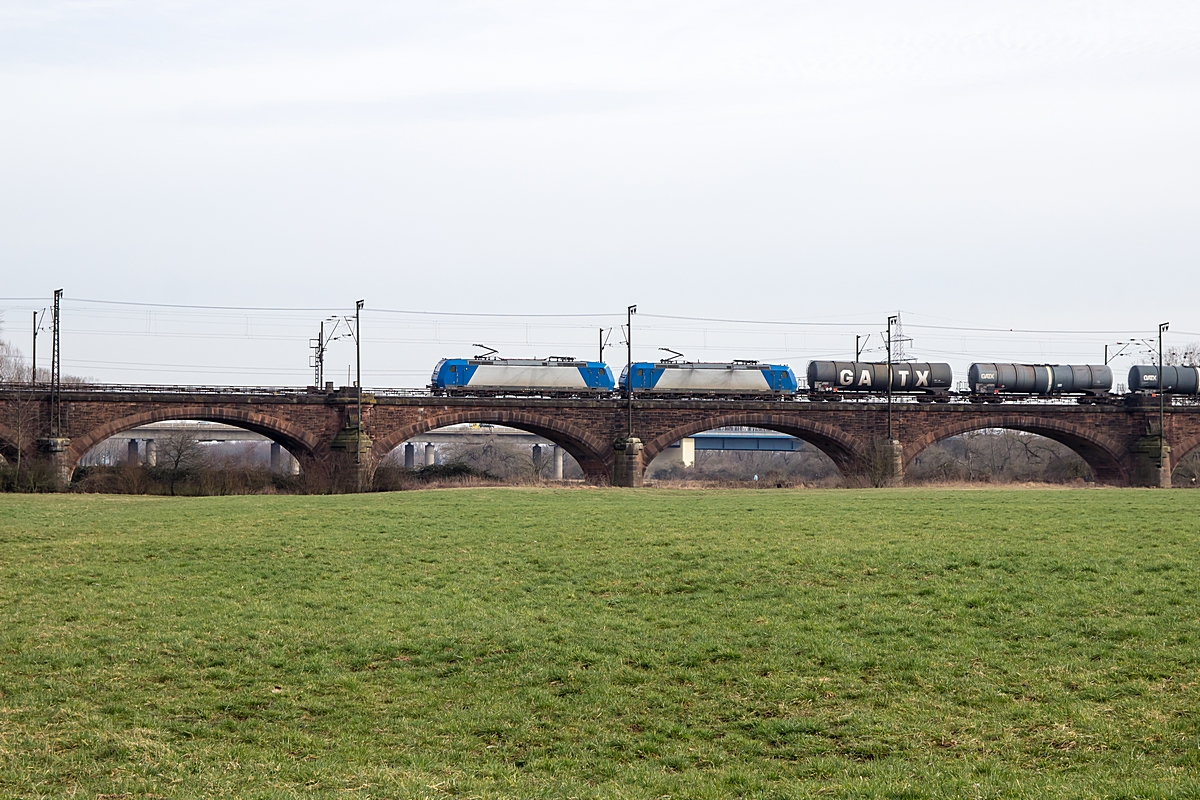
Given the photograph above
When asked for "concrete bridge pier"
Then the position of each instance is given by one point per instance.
(131, 452)
(151, 453)
(535, 454)
(430, 455)
(410, 455)
(276, 452)
(628, 469)
(558, 463)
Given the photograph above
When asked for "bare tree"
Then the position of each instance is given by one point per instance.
(538, 462)
(998, 455)
(1187, 355)
(489, 453)
(12, 368)
(178, 454)
(22, 417)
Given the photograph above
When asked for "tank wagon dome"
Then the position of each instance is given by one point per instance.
(1039, 379)
(1175, 380)
(865, 376)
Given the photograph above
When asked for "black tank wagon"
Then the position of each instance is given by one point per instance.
(1175, 380)
(929, 381)
(992, 382)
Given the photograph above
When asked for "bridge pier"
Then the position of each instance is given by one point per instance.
(558, 463)
(628, 469)
(897, 456)
(430, 454)
(352, 468)
(56, 449)
(1152, 463)
(410, 456)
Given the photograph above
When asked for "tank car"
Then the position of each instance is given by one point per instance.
(826, 379)
(557, 376)
(1175, 380)
(703, 379)
(993, 382)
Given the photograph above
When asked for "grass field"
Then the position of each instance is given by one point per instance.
(602, 643)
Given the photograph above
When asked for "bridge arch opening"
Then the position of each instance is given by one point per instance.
(821, 444)
(1015, 449)
(198, 439)
(1185, 464)
(212, 444)
(505, 453)
(998, 456)
(589, 455)
(744, 455)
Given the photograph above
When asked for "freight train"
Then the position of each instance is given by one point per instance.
(827, 380)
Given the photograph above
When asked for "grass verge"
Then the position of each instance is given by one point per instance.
(561, 643)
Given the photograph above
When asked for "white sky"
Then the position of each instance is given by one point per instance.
(1010, 165)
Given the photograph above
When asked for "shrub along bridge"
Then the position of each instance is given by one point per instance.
(1120, 442)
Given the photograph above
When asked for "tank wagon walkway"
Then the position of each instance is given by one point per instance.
(321, 429)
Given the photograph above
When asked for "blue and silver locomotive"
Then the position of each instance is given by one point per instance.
(702, 379)
(555, 376)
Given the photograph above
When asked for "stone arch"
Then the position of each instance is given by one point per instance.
(845, 450)
(1105, 456)
(8, 445)
(594, 456)
(295, 439)
(1180, 451)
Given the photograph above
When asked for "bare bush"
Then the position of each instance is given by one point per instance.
(505, 461)
(998, 456)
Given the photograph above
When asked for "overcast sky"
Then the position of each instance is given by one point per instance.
(1011, 165)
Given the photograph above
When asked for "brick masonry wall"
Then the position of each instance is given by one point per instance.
(1106, 437)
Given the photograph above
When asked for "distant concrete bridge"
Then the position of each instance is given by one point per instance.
(140, 445)
(322, 429)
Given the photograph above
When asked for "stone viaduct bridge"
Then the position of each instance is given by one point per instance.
(1120, 442)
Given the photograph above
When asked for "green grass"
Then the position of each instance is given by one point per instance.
(627, 644)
